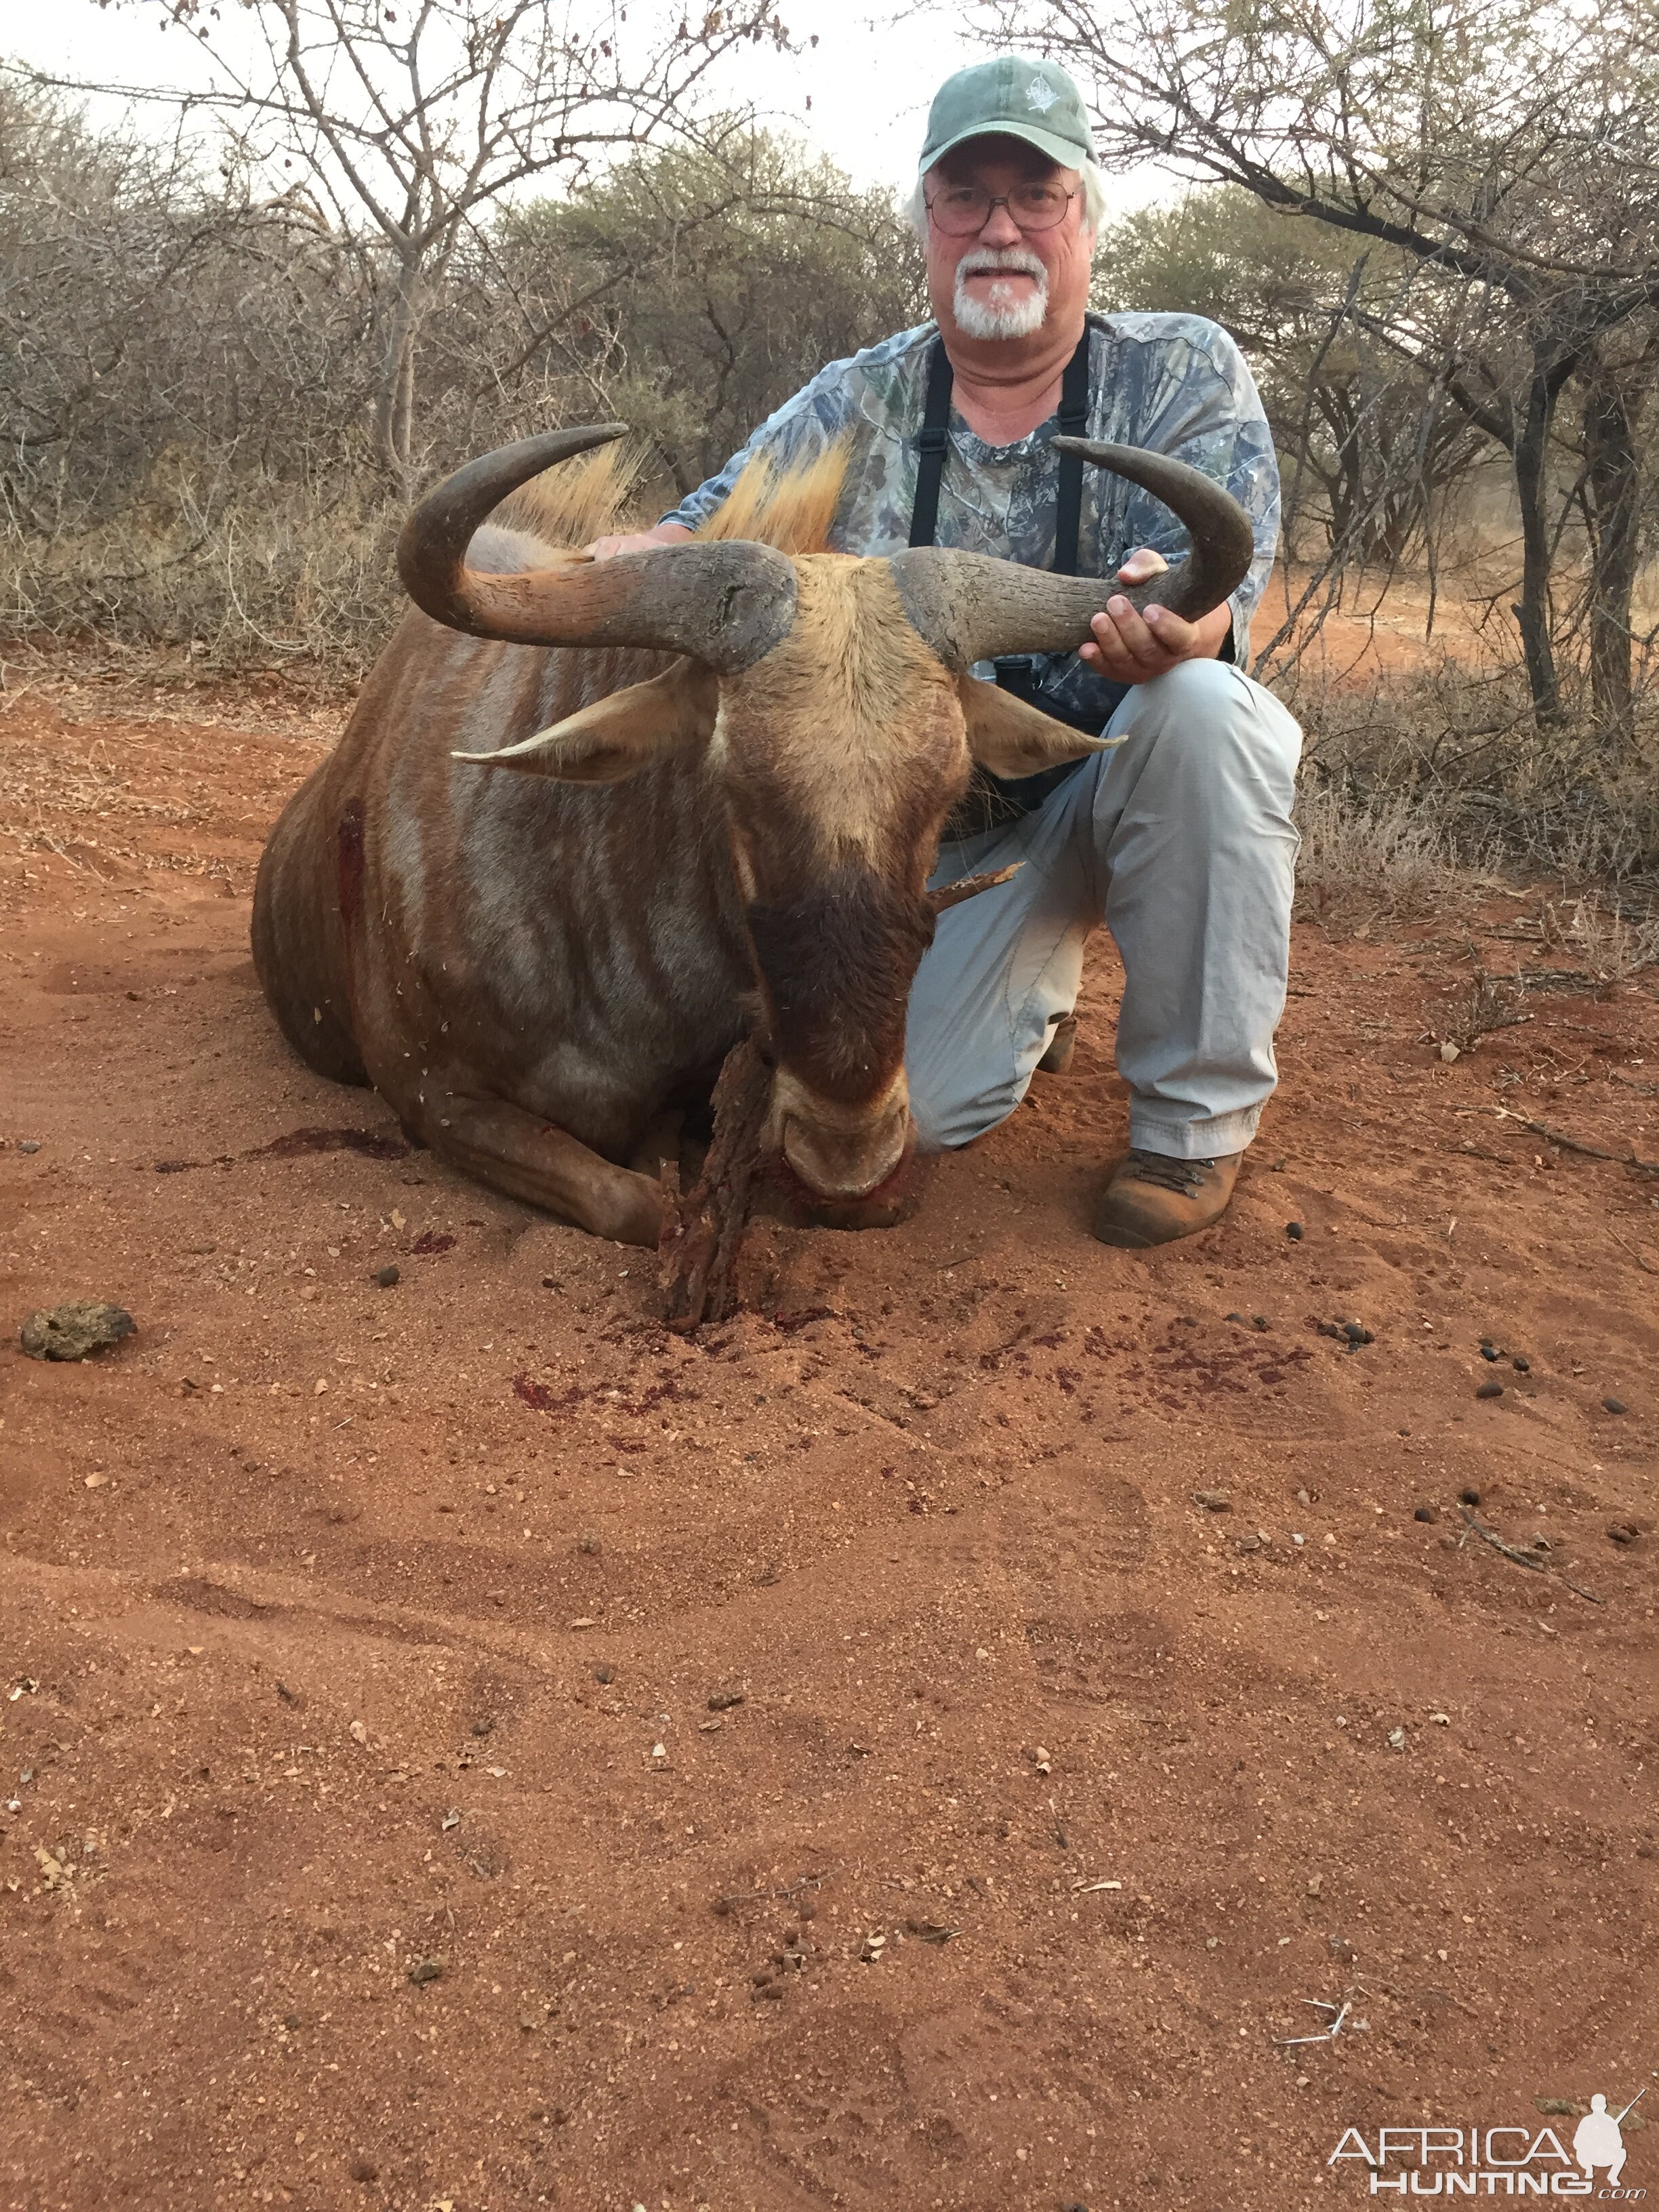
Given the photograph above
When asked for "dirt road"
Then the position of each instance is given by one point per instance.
(462, 1747)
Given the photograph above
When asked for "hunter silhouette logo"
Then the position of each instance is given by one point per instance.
(1596, 2140)
(1507, 2162)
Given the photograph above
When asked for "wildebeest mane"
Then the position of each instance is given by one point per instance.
(793, 508)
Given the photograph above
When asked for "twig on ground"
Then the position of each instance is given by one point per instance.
(1572, 1144)
(1646, 1266)
(1326, 2035)
(1524, 1558)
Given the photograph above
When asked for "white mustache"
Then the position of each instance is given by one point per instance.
(984, 260)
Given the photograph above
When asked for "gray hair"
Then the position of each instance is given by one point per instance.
(1093, 185)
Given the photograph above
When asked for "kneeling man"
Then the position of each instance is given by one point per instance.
(1180, 839)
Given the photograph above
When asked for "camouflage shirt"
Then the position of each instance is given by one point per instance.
(1175, 383)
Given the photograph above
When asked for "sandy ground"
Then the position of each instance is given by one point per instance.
(462, 1746)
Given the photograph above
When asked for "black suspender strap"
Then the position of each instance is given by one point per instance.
(1073, 424)
(934, 436)
(931, 444)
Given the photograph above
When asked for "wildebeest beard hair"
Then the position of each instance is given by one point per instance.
(837, 965)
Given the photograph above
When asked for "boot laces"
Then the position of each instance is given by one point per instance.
(1182, 1176)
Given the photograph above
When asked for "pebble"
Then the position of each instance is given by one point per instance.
(604, 1673)
(590, 1545)
(722, 1701)
(1622, 1532)
(1493, 1389)
(1470, 1497)
(1356, 1334)
(1615, 1405)
(1213, 1501)
(1521, 1366)
(1247, 1543)
(387, 1277)
(426, 1970)
(1425, 1513)
(1488, 1352)
(364, 2169)
(75, 1330)
(1293, 1230)
(29, 1145)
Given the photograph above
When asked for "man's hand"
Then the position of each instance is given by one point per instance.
(637, 541)
(1133, 648)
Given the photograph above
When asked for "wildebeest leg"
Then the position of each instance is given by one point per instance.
(661, 1142)
(520, 1154)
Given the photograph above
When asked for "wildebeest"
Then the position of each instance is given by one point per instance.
(733, 765)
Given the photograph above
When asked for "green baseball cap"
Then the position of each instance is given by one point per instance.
(1014, 96)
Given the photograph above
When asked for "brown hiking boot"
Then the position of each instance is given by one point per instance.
(1152, 1200)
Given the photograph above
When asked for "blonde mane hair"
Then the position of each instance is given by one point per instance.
(793, 508)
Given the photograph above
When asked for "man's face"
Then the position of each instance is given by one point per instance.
(1000, 281)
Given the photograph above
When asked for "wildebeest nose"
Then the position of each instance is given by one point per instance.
(846, 1164)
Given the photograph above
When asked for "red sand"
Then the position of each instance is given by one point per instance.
(347, 1629)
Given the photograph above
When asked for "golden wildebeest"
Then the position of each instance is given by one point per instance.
(732, 766)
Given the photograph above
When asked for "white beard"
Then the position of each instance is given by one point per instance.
(1004, 315)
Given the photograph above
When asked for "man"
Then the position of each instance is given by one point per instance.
(1180, 838)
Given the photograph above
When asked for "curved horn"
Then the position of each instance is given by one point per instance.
(724, 604)
(970, 606)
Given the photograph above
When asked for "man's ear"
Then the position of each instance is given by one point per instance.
(1012, 740)
(618, 736)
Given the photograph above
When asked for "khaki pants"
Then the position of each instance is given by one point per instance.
(1181, 841)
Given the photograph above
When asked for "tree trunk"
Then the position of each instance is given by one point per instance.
(1612, 491)
(394, 403)
(1531, 460)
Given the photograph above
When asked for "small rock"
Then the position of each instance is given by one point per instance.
(358, 1733)
(1622, 1532)
(1357, 1335)
(1448, 1051)
(29, 1145)
(1492, 1389)
(1341, 1950)
(589, 1545)
(75, 1331)
(484, 1725)
(1488, 1352)
(1261, 1321)
(1213, 1501)
(1305, 1498)
(426, 1970)
(387, 1277)
(1469, 1497)
(1247, 1544)
(1521, 1366)
(604, 1673)
(1425, 1513)
(1235, 1317)
(1293, 1230)
(722, 1701)
(1396, 1739)
(293, 2019)
(1611, 1405)
(364, 2169)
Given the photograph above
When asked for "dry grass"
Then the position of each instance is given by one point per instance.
(1428, 787)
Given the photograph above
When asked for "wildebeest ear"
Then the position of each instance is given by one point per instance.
(618, 736)
(1010, 739)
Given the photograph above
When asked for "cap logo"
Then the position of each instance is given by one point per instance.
(1041, 95)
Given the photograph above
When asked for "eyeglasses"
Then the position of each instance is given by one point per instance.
(960, 210)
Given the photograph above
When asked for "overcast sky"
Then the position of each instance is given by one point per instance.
(868, 82)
